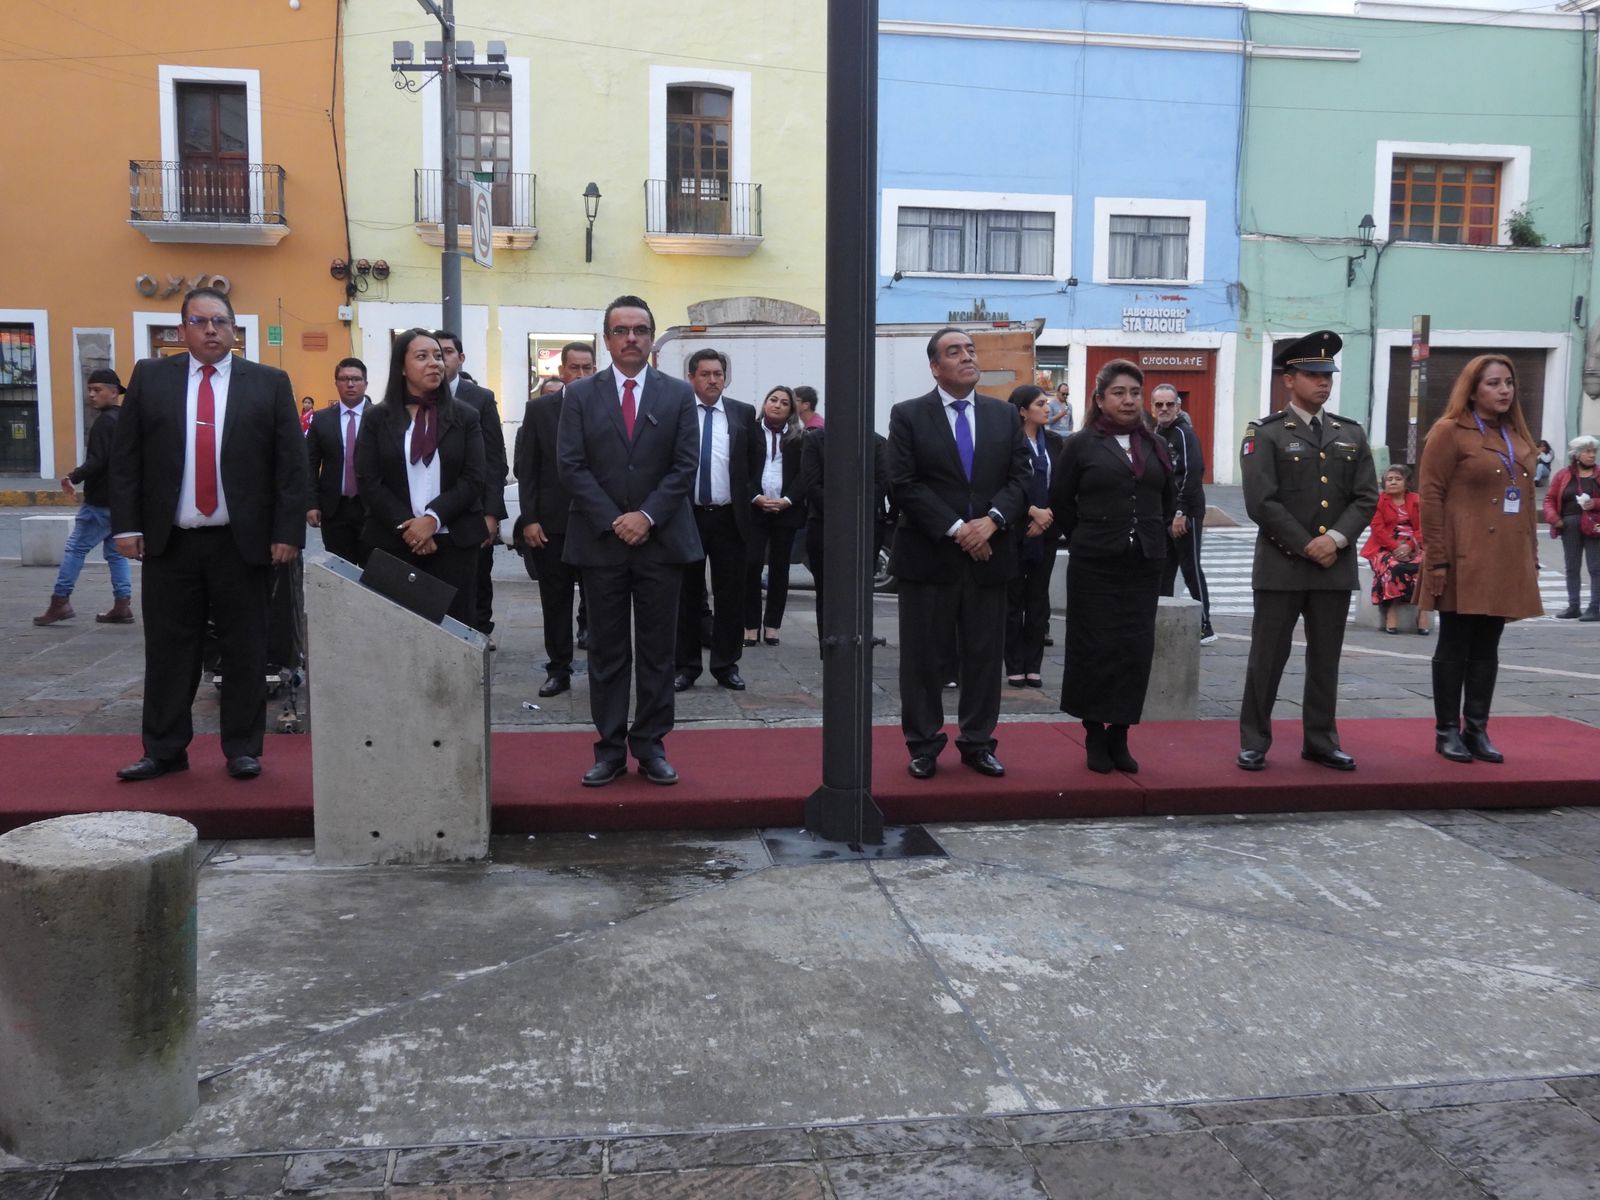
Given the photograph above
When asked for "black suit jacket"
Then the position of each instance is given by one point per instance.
(540, 494)
(744, 459)
(496, 472)
(791, 457)
(325, 455)
(1054, 446)
(1097, 501)
(262, 460)
(933, 493)
(813, 473)
(608, 475)
(385, 490)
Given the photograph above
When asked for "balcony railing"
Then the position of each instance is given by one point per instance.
(514, 200)
(209, 192)
(702, 208)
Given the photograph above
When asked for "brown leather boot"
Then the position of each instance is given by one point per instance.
(60, 610)
(120, 613)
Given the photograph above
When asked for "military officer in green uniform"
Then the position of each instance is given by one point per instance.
(1310, 487)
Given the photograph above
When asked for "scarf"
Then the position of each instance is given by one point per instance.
(425, 434)
(1140, 440)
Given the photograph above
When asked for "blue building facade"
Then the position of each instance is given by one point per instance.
(1076, 162)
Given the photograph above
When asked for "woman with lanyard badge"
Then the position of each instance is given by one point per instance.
(1481, 550)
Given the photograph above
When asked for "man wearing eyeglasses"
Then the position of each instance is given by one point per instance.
(1188, 473)
(627, 447)
(331, 455)
(208, 491)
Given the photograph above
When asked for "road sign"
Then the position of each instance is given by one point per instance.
(482, 223)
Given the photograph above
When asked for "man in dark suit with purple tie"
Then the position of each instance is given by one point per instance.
(331, 456)
(627, 448)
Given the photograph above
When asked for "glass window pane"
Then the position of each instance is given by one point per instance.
(1485, 173)
(1423, 192)
(502, 122)
(1422, 171)
(1450, 214)
(467, 121)
(1481, 215)
(716, 104)
(1452, 194)
(1453, 173)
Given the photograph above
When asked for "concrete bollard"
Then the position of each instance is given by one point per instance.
(97, 984)
(1174, 692)
(44, 540)
(1370, 615)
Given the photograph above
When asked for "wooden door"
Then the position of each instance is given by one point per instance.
(483, 136)
(1192, 372)
(1444, 364)
(213, 152)
(699, 160)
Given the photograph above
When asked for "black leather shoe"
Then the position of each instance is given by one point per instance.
(682, 681)
(1569, 613)
(1337, 759)
(731, 680)
(244, 766)
(153, 768)
(554, 685)
(1252, 760)
(985, 764)
(658, 770)
(603, 773)
(922, 766)
(1447, 741)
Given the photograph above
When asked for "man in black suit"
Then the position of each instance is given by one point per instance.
(542, 517)
(627, 447)
(208, 490)
(958, 471)
(331, 455)
(726, 482)
(464, 387)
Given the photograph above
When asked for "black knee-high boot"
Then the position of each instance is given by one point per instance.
(1448, 675)
(1477, 696)
(1117, 747)
(1094, 742)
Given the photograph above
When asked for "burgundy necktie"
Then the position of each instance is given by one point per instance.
(205, 444)
(349, 452)
(627, 407)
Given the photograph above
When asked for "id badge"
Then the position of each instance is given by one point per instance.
(1513, 501)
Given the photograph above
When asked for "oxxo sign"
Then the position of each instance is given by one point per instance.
(1162, 319)
(176, 285)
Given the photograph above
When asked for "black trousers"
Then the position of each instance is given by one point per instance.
(556, 580)
(483, 592)
(1468, 637)
(1028, 612)
(341, 532)
(814, 561)
(970, 617)
(725, 555)
(1579, 550)
(633, 611)
(1183, 554)
(1271, 638)
(773, 544)
(202, 576)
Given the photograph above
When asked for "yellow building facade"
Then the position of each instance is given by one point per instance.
(701, 128)
(158, 169)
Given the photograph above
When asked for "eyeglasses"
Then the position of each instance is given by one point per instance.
(215, 322)
(350, 379)
(622, 331)
(1163, 404)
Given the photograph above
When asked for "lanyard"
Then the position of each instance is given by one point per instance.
(1509, 456)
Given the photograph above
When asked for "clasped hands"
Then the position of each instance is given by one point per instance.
(1039, 520)
(1322, 550)
(632, 527)
(417, 533)
(973, 537)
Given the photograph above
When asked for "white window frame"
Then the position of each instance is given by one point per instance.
(169, 76)
(1106, 207)
(1516, 163)
(79, 388)
(737, 82)
(39, 318)
(894, 199)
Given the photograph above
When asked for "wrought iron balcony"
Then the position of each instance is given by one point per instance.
(516, 225)
(229, 203)
(702, 216)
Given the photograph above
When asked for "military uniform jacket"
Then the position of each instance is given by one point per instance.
(1297, 488)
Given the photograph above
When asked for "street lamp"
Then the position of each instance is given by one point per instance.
(591, 209)
(1364, 231)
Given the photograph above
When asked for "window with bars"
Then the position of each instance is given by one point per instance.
(958, 241)
(1452, 201)
(1149, 248)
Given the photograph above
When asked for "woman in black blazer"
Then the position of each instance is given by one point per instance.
(780, 510)
(1028, 593)
(1113, 498)
(420, 471)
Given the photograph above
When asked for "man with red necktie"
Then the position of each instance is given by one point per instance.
(209, 491)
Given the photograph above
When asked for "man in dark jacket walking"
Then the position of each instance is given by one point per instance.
(94, 514)
(1188, 475)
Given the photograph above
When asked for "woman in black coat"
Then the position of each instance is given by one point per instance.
(1028, 595)
(1113, 499)
(420, 471)
(780, 511)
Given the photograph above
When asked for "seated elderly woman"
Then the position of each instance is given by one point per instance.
(1571, 511)
(1394, 548)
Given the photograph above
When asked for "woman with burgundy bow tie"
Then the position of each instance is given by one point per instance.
(420, 471)
(1113, 497)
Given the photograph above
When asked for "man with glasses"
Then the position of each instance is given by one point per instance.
(331, 452)
(1188, 473)
(464, 387)
(208, 490)
(627, 448)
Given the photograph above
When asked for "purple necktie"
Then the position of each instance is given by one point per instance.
(350, 452)
(964, 437)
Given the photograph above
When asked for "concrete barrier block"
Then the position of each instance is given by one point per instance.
(1370, 615)
(97, 984)
(44, 539)
(1174, 692)
(399, 728)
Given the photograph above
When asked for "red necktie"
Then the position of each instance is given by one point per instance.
(205, 445)
(627, 407)
(350, 452)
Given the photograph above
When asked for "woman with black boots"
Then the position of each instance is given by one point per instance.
(1113, 498)
(1481, 549)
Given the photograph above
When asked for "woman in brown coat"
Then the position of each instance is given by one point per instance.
(1481, 556)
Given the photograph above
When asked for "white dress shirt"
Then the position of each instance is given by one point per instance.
(771, 463)
(949, 401)
(422, 479)
(638, 387)
(189, 516)
(721, 493)
(346, 413)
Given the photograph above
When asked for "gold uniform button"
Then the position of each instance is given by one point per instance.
(1324, 454)
(1324, 504)
(1324, 479)
(1322, 529)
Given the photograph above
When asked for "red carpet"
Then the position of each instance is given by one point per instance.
(740, 779)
